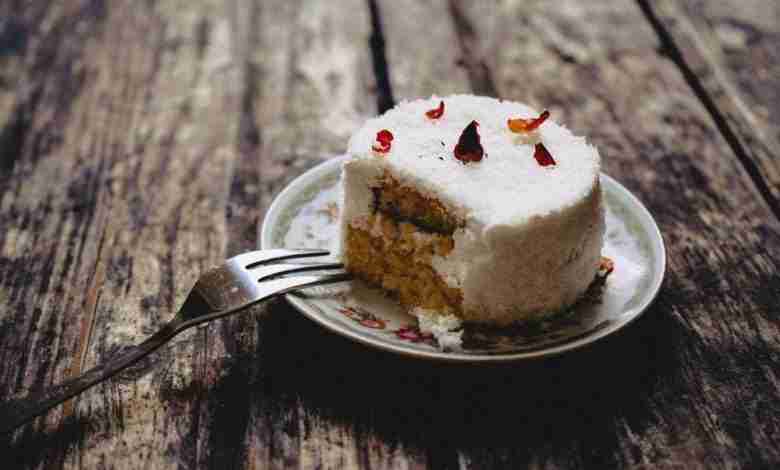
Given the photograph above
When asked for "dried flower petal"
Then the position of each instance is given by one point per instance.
(521, 126)
(383, 139)
(469, 148)
(606, 266)
(384, 136)
(436, 113)
(542, 155)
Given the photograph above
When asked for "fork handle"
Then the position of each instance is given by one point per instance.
(14, 413)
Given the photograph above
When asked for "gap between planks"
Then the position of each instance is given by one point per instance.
(384, 98)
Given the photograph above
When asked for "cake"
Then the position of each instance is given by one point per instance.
(472, 209)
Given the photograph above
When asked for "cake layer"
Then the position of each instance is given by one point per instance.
(405, 203)
(397, 257)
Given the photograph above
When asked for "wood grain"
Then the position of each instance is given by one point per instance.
(49, 239)
(415, 71)
(124, 166)
(597, 69)
(168, 223)
(732, 61)
(142, 142)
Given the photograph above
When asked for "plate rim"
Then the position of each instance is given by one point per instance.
(628, 316)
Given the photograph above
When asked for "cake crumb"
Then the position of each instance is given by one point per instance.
(447, 329)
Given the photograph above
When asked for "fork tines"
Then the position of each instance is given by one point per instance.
(251, 259)
(271, 270)
(263, 265)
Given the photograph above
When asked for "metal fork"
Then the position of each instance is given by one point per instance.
(238, 283)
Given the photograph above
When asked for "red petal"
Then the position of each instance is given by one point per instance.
(520, 125)
(383, 138)
(469, 148)
(542, 155)
(436, 113)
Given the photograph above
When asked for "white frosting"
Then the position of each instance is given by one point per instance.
(506, 187)
(532, 237)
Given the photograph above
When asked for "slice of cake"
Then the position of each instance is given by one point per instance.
(472, 207)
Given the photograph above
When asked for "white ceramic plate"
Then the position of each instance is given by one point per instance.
(304, 216)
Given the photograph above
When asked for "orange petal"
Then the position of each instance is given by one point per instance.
(520, 125)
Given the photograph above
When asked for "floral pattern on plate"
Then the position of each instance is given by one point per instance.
(363, 318)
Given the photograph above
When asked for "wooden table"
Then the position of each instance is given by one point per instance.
(142, 141)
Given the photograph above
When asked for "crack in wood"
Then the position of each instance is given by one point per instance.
(376, 41)
(13, 135)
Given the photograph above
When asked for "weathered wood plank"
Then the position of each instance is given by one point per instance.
(114, 202)
(731, 51)
(176, 90)
(417, 71)
(48, 241)
(596, 67)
